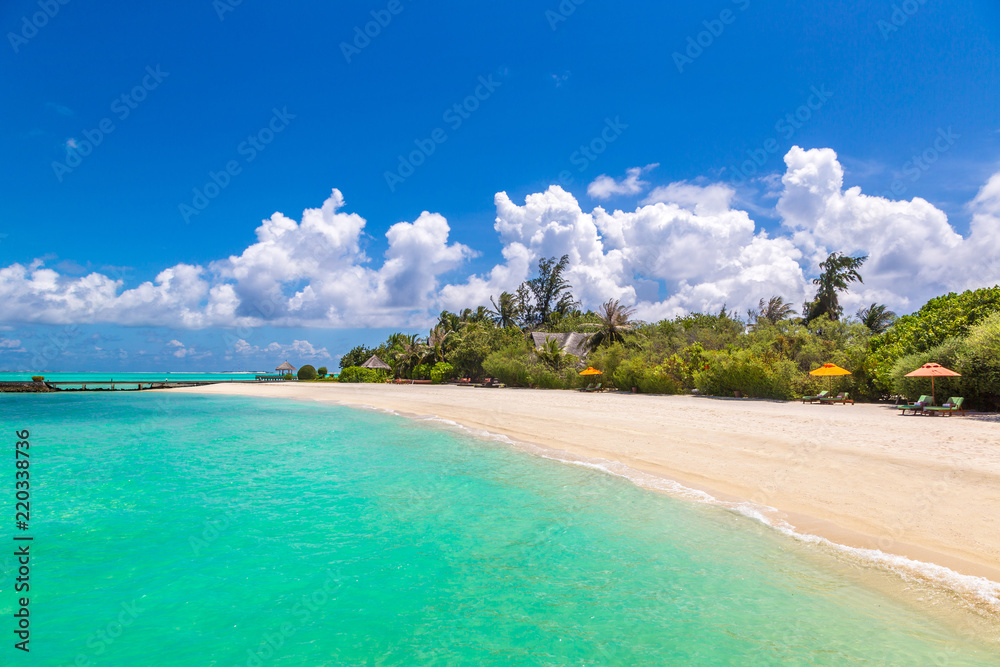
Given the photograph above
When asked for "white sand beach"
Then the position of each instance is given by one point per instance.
(927, 488)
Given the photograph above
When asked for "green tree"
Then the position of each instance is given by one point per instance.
(773, 310)
(551, 354)
(307, 372)
(357, 356)
(438, 343)
(550, 291)
(322, 371)
(507, 313)
(615, 324)
(876, 317)
(838, 272)
(410, 352)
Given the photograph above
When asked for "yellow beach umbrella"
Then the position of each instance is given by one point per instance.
(590, 370)
(829, 370)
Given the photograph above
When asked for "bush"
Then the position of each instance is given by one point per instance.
(509, 365)
(38, 378)
(946, 354)
(979, 364)
(357, 374)
(442, 371)
(287, 376)
(742, 371)
(949, 316)
(307, 372)
(321, 372)
(648, 379)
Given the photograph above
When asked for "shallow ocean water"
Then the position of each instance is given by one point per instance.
(175, 529)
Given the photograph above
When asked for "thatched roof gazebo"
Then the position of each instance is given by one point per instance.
(286, 368)
(375, 363)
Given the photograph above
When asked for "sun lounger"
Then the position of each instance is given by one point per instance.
(818, 397)
(490, 383)
(589, 387)
(596, 387)
(843, 398)
(953, 405)
(916, 408)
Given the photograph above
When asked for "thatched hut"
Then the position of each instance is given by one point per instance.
(285, 368)
(377, 364)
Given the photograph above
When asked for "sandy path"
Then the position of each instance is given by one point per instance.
(923, 487)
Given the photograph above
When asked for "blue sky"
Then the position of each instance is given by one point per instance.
(297, 101)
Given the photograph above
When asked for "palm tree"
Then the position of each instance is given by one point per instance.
(410, 354)
(437, 343)
(774, 310)
(550, 353)
(507, 313)
(615, 322)
(838, 273)
(877, 317)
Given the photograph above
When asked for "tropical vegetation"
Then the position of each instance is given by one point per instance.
(766, 355)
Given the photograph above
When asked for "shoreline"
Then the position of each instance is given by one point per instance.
(860, 477)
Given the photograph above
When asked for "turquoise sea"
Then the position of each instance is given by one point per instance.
(176, 529)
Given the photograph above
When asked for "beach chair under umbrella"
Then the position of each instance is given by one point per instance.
(829, 370)
(933, 371)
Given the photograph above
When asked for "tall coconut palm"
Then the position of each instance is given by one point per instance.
(507, 312)
(615, 323)
(838, 272)
(437, 343)
(877, 317)
(410, 353)
(773, 310)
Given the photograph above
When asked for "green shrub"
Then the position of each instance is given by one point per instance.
(747, 373)
(287, 376)
(38, 378)
(946, 354)
(607, 359)
(979, 364)
(949, 316)
(356, 374)
(510, 365)
(321, 371)
(307, 372)
(648, 379)
(442, 371)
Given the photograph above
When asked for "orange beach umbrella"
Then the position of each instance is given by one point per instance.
(933, 371)
(829, 370)
(590, 370)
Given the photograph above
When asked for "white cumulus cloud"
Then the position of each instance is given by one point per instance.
(604, 186)
(684, 248)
